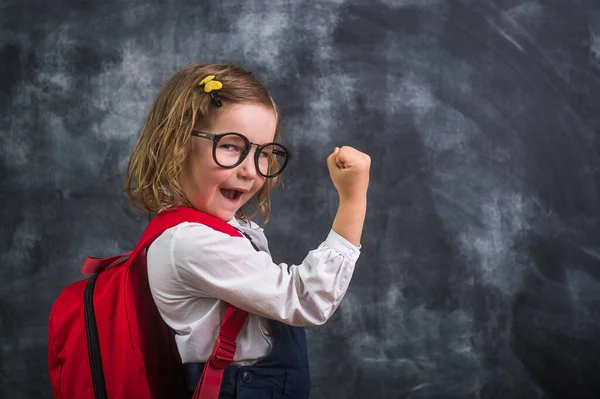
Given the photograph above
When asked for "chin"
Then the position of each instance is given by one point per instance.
(227, 216)
(224, 216)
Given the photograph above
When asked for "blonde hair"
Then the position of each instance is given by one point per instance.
(155, 166)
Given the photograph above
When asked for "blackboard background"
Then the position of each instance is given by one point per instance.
(480, 271)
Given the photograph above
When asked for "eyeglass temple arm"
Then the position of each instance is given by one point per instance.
(203, 134)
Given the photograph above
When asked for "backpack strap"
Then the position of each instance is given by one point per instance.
(222, 355)
(162, 221)
(91, 330)
(94, 265)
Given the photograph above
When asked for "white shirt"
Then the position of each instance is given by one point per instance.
(194, 271)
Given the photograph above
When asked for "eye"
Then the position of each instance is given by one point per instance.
(229, 147)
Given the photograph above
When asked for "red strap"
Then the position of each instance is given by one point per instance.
(94, 265)
(161, 222)
(222, 355)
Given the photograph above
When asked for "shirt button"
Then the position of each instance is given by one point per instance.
(246, 376)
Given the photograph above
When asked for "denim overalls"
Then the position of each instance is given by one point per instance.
(283, 374)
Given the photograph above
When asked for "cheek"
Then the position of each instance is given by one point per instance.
(258, 184)
(210, 178)
(206, 173)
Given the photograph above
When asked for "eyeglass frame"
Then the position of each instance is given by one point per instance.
(215, 138)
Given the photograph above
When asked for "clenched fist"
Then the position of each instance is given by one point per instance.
(349, 171)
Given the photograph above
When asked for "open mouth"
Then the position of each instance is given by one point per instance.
(232, 195)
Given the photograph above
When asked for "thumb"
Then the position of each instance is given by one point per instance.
(332, 160)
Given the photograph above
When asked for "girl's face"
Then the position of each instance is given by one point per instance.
(211, 188)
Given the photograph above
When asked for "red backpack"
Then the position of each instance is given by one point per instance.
(106, 339)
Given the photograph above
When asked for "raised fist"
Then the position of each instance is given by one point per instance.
(349, 171)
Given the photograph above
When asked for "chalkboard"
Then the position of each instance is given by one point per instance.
(480, 268)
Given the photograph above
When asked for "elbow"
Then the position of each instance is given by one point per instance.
(312, 319)
(309, 308)
(306, 322)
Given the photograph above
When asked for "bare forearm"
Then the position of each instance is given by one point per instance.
(350, 219)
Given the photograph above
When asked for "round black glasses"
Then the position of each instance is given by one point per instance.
(230, 150)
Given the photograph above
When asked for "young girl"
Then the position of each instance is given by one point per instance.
(212, 142)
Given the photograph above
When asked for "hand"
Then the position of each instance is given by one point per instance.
(349, 171)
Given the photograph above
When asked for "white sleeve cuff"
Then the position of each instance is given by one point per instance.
(343, 246)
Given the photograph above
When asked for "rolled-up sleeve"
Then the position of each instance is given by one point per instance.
(212, 264)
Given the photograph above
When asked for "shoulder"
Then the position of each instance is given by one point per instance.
(183, 244)
(193, 235)
(201, 234)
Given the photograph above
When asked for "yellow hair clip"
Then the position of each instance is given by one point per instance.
(210, 84)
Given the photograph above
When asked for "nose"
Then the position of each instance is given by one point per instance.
(247, 169)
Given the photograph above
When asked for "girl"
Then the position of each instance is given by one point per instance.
(212, 142)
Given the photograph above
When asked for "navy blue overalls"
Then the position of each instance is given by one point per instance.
(283, 374)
